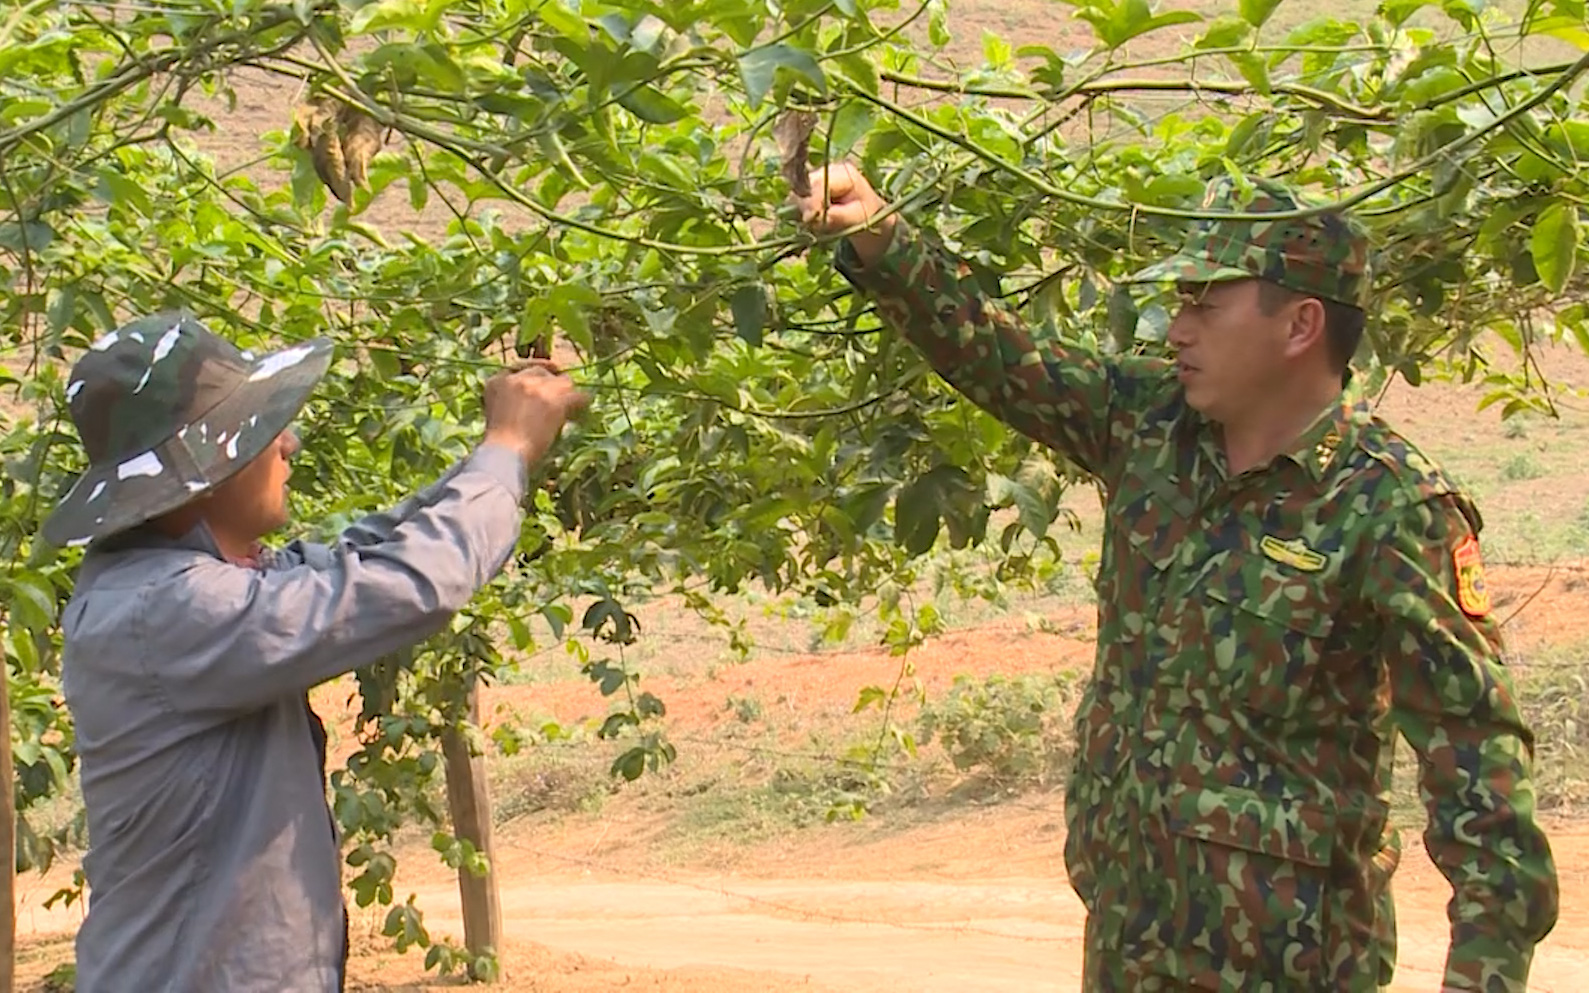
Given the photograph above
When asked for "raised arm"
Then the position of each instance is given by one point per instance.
(1061, 394)
(330, 609)
(380, 525)
(1454, 702)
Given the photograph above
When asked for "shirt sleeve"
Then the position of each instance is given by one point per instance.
(1060, 394)
(379, 526)
(247, 637)
(1453, 700)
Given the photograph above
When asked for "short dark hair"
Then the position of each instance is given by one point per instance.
(1343, 323)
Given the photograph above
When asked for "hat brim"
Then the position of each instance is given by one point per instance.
(1188, 269)
(197, 457)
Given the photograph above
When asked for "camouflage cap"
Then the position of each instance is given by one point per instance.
(1322, 255)
(167, 410)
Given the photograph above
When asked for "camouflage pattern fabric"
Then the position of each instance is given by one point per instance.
(1324, 254)
(166, 410)
(1258, 635)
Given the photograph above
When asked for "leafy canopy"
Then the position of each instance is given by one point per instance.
(602, 179)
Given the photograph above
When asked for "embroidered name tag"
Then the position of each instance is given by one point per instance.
(1294, 553)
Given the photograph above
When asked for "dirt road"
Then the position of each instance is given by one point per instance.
(863, 920)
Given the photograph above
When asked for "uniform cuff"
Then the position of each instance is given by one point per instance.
(1504, 972)
(503, 464)
(889, 274)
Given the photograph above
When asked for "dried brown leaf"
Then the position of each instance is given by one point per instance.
(329, 164)
(308, 119)
(793, 134)
(362, 138)
(316, 131)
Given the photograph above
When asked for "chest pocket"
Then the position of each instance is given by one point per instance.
(1268, 624)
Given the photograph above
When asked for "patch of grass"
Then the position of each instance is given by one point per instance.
(746, 709)
(726, 815)
(1535, 537)
(1527, 477)
(551, 780)
(1554, 696)
(1522, 466)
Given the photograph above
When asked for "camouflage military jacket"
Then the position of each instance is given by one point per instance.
(1260, 636)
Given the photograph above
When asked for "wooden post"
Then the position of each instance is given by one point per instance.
(8, 842)
(469, 802)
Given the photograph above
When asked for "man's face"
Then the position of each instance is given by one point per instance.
(253, 503)
(1229, 351)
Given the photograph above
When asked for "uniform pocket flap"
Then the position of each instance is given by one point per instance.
(1281, 827)
(1298, 604)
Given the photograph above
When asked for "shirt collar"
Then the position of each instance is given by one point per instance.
(1317, 449)
(199, 539)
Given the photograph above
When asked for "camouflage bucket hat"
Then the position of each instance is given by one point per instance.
(167, 410)
(1322, 255)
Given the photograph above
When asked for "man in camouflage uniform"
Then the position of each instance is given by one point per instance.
(1284, 583)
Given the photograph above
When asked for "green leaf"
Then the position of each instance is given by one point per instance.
(630, 765)
(749, 305)
(1256, 12)
(29, 598)
(1132, 19)
(564, 19)
(1568, 29)
(869, 697)
(653, 106)
(34, 236)
(917, 516)
(522, 639)
(1226, 31)
(759, 69)
(938, 35)
(996, 51)
(856, 69)
(1245, 131)
(1397, 11)
(117, 190)
(1464, 12)
(1554, 244)
(61, 312)
(616, 26)
(1034, 512)
(1253, 69)
(386, 15)
(558, 616)
(853, 122)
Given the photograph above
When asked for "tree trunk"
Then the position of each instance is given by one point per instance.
(469, 802)
(8, 844)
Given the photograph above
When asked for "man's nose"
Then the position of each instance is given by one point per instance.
(290, 444)
(1179, 335)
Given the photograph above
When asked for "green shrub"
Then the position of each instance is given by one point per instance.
(1010, 731)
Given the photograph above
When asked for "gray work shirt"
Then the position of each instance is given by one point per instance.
(213, 864)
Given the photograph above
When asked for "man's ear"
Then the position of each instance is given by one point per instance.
(1306, 327)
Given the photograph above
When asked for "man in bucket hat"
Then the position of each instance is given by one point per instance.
(189, 647)
(1285, 582)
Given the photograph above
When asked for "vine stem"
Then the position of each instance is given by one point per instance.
(134, 74)
(1324, 100)
(1059, 193)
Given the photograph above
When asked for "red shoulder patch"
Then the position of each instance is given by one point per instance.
(1472, 594)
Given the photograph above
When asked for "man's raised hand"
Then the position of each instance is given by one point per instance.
(526, 408)
(842, 198)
